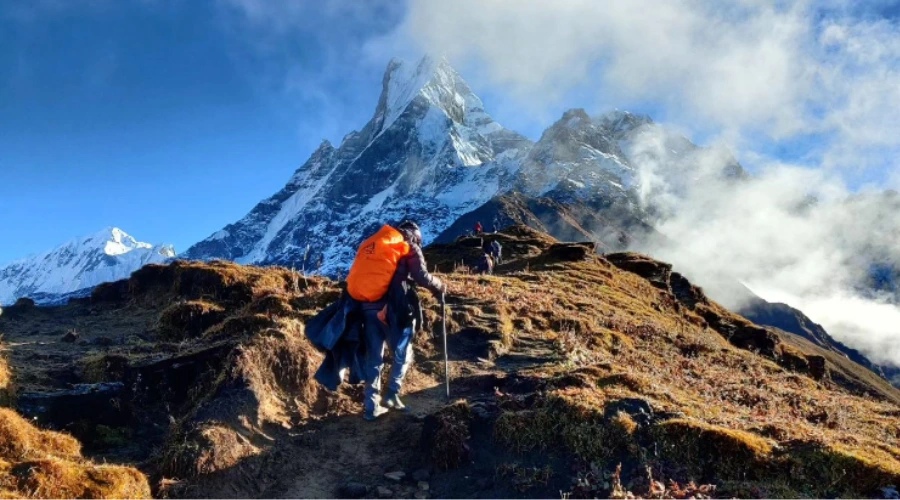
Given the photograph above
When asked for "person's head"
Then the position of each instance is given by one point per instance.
(411, 232)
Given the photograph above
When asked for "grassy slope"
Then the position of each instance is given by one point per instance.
(641, 378)
(728, 414)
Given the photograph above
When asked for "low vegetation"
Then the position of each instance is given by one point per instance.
(648, 387)
(47, 464)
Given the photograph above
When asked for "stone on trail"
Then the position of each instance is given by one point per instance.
(396, 475)
(421, 475)
(353, 490)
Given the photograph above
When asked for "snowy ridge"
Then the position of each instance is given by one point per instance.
(80, 264)
(431, 153)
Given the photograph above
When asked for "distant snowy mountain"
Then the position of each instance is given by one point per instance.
(80, 264)
(432, 153)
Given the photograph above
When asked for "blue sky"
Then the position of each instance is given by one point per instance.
(172, 118)
(148, 116)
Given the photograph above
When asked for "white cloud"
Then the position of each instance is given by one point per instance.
(772, 69)
(766, 232)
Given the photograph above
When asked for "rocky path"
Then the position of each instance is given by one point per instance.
(349, 457)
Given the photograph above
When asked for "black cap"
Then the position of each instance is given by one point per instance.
(411, 229)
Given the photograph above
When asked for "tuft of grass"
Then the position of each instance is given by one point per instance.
(448, 435)
(36, 463)
(189, 319)
(703, 448)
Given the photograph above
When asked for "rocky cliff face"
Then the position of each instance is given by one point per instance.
(430, 152)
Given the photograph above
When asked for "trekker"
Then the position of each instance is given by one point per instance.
(379, 279)
(497, 252)
(479, 229)
(485, 265)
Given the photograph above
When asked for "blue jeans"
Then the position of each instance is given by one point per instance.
(377, 333)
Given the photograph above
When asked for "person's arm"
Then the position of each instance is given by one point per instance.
(419, 272)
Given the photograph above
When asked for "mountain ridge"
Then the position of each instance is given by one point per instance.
(78, 265)
(431, 152)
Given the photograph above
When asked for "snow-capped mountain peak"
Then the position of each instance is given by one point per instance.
(112, 240)
(107, 255)
(431, 153)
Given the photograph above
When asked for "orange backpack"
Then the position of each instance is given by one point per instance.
(375, 265)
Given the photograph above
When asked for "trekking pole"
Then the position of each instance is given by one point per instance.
(444, 334)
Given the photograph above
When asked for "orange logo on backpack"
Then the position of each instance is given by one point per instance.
(375, 265)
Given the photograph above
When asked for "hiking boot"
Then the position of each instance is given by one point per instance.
(394, 403)
(371, 415)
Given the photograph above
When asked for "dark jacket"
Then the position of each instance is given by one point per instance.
(338, 330)
(485, 265)
(412, 266)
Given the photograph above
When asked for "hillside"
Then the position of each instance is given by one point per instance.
(564, 365)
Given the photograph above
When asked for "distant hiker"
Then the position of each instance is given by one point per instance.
(380, 280)
(485, 265)
(496, 252)
(479, 229)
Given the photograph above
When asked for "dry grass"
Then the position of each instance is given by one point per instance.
(721, 411)
(45, 464)
(7, 386)
(446, 434)
(744, 416)
(189, 319)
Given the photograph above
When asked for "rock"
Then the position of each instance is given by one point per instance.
(421, 475)
(423, 486)
(24, 304)
(657, 273)
(396, 475)
(569, 252)
(484, 483)
(890, 492)
(96, 403)
(638, 409)
(383, 492)
(103, 341)
(817, 367)
(353, 490)
(71, 336)
(420, 494)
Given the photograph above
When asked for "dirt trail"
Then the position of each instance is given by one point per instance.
(328, 456)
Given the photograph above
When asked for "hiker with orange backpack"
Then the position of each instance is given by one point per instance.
(387, 262)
